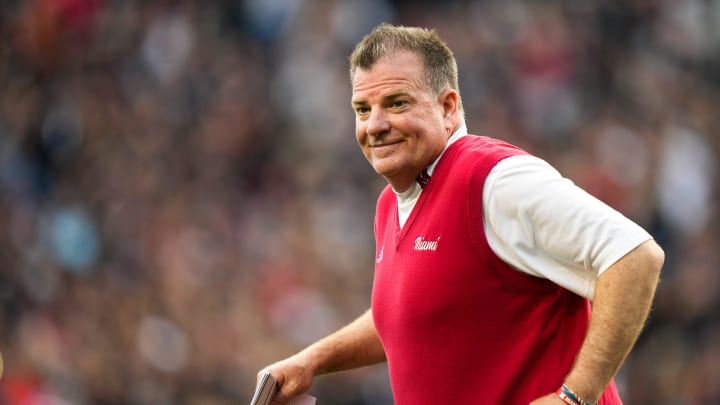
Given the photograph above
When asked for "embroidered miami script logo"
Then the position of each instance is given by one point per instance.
(422, 245)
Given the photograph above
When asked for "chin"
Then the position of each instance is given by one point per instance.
(387, 165)
(384, 168)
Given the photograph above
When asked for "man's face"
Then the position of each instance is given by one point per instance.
(400, 125)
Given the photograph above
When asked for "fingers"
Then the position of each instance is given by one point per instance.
(292, 378)
(266, 387)
(278, 377)
(279, 400)
(286, 387)
(290, 386)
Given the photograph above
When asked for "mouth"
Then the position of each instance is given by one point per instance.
(384, 149)
(384, 144)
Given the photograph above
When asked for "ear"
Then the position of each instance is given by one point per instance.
(450, 102)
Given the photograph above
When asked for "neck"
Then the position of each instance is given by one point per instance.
(403, 181)
(401, 186)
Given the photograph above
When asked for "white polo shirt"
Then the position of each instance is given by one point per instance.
(544, 225)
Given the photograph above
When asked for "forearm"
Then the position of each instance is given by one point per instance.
(621, 304)
(355, 345)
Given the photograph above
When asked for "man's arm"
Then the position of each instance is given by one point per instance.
(621, 305)
(355, 345)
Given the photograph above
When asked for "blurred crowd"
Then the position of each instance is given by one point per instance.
(182, 200)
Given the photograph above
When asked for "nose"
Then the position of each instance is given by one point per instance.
(377, 123)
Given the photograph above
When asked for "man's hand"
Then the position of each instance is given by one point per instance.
(293, 378)
(354, 345)
(550, 399)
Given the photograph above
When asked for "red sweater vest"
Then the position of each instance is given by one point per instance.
(458, 325)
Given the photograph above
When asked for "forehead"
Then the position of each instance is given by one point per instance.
(403, 71)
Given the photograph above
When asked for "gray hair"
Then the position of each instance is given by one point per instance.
(386, 40)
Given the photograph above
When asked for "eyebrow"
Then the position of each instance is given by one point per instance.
(396, 95)
(391, 96)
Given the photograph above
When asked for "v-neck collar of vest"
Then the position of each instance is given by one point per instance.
(440, 171)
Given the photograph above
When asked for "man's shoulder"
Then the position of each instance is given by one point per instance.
(487, 144)
(475, 148)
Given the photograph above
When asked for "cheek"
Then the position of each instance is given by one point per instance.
(360, 133)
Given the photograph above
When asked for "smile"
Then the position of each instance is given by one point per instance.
(385, 144)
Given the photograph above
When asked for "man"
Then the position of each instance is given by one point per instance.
(487, 259)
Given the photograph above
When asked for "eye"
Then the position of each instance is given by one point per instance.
(399, 103)
(361, 110)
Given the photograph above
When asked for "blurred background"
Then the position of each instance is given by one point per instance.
(182, 200)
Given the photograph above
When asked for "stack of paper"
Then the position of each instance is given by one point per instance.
(267, 389)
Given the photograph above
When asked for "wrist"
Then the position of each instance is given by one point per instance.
(585, 387)
(570, 397)
(308, 361)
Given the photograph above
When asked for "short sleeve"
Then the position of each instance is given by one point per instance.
(544, 225)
